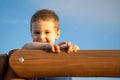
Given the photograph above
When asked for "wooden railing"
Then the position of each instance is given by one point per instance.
(84, 63)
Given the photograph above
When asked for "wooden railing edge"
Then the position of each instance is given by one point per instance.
(109, 59)
(5, 60)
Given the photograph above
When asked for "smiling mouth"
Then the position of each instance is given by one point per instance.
(42, 41)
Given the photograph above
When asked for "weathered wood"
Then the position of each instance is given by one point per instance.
(84, 63)
(3, 65)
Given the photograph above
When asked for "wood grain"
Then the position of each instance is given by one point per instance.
(84, 63)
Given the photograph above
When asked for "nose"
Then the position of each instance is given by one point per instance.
(41, 37)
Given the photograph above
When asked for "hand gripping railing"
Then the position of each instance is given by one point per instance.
(84, 63)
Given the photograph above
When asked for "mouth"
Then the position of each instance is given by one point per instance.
(42, 41)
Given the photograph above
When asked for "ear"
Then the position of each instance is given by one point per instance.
(57, 34)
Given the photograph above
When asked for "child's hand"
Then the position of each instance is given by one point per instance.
(54, 48)
(69, 46)
(66, 46)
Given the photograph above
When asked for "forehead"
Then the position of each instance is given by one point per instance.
(43, 25)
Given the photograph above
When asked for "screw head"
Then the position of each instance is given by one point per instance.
(21, 59)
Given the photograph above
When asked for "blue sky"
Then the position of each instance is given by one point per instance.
(91, 24)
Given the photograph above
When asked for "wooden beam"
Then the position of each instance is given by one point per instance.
(84, 63)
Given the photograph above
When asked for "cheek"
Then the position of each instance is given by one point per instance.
(52, 38)
(34, 38)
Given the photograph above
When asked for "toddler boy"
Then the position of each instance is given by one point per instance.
(45, 30)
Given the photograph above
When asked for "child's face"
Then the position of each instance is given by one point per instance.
(44, 31)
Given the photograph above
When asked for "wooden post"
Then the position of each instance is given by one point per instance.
(84, 63)
(3, 65)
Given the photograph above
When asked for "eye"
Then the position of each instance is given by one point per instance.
(36, 32)
(47, 32)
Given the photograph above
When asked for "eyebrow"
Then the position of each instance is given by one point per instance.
(47, 30)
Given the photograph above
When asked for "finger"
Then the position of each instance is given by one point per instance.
(76, 48)
(73, 48)
(70, 49)
(52, 48)
(69, 44)
(57, 48)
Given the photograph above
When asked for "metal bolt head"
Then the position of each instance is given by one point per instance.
(21, 59)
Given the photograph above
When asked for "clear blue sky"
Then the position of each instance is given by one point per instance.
(91, 24)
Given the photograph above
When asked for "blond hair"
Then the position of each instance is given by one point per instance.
(45, 15)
